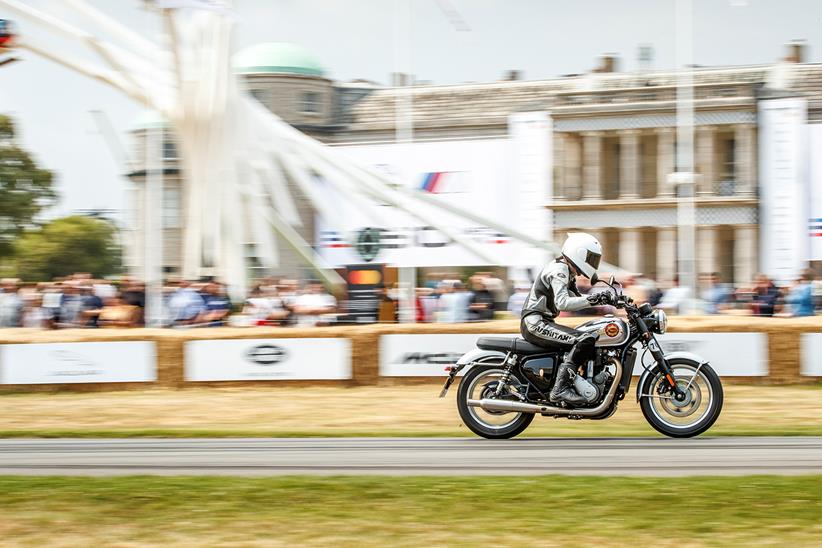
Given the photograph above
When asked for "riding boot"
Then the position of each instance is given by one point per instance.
(563, 389)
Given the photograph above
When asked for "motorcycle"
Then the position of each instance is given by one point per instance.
(508, 379)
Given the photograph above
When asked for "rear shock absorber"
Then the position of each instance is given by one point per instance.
(510, 362)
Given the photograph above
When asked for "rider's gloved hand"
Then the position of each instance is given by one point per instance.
(602, 298)
(596, 298)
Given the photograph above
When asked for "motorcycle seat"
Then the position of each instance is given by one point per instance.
(516, 345)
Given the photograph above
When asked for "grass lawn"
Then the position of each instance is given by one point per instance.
(361, 411)
(411, 511)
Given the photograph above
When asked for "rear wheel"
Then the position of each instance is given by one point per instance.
(691, 415)
(480, 382)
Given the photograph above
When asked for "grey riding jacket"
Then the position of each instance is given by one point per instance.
(554, 290)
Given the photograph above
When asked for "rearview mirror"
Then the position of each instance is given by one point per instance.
(594, 278)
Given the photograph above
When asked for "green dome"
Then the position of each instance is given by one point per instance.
(149, 119)
(276, 57)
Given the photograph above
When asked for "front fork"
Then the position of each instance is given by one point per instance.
(650, 342)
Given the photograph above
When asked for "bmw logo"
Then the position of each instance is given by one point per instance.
(266, 354)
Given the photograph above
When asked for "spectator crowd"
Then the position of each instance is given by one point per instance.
(79, 301)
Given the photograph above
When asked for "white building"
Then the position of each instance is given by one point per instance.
(612, 146)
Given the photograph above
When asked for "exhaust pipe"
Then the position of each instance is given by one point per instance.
(520, 407)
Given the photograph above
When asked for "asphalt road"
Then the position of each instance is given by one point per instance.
(413, 456)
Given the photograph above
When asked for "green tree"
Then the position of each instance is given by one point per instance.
(67, 245)
(25, 188)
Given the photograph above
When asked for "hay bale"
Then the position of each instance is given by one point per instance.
(783, 345)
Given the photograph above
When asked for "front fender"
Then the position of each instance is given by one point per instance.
(689, 356)
(479, 355)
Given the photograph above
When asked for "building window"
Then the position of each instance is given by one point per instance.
(172, 205)
(169, 149)
(727, 167)
(310, 102)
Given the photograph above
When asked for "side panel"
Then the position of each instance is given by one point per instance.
(540, 370)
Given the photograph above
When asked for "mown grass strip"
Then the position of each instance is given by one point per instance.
(412, 511)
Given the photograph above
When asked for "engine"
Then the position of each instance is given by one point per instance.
(595, 386)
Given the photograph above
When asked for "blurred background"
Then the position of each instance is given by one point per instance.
(681, 134)
(325, 203)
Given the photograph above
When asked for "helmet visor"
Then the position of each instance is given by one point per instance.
(593, 259)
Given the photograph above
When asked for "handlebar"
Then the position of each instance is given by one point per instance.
(620, 300)
(624, 302)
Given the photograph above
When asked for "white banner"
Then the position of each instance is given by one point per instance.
(267, 359)
(784, 195)
(811, 354)
(531, 135)
(730, 354)
(81, 362)
(815, 220)
(424, 355)
(472, 174)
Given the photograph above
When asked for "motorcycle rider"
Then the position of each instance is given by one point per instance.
(555, 290)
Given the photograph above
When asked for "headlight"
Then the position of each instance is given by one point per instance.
(661, 321)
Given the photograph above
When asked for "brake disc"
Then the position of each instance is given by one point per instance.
(686, 406)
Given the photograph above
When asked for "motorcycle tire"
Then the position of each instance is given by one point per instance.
(509, 431)
(712, 414)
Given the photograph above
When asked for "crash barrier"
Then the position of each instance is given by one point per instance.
(776, 350)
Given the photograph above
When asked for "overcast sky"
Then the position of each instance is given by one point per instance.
(356, 39)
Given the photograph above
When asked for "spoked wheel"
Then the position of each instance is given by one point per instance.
(480, 382)
(689, 415)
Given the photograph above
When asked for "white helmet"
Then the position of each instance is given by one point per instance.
(583, 251)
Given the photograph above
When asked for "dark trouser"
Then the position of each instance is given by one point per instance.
(543, 331)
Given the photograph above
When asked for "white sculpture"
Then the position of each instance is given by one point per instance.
(234, 151)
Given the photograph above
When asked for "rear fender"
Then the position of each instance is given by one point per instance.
(682, 356)
(467, 360)
(478, 355)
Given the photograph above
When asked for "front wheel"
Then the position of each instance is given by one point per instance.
(693, 414)
(480, 382)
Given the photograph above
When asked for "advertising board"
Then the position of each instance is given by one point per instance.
(811, 355)
(417, 355)
(78, 362)
(267, 359)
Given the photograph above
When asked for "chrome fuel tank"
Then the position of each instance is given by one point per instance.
(612, 331)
